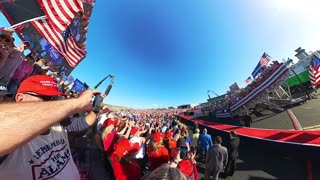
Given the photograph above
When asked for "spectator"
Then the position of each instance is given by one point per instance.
(247, 120)
(195, 137)
(204, 143)
(43, 148)
(47, 148)
(169, 142)
(125, 167)
(140, 155)
(157, 153)
(216, 159)
(40, 68)
(11, 58)
(232, 154)
(166, 172)
(187, 165)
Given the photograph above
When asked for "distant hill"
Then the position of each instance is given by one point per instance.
(115, 106)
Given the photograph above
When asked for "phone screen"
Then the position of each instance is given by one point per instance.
(97, 101)
(184, 149)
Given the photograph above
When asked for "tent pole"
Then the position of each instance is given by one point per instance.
(26, 21)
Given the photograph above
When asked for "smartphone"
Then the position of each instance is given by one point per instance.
(98, 99)
(184, 149)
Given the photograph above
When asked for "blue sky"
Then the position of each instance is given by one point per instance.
(168, 53)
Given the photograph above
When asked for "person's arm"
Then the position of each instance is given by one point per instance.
(226, 159)
(77, 124)
(129, 130)
(21, 122)
(208, 156)
(123, 129)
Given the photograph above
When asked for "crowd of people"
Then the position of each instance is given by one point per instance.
(39, 110)
(137, 144)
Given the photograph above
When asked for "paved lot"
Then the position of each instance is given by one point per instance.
(255, 163)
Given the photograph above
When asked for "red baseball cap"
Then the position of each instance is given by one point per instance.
(168, 134)
(109, 122)
(40, 84)
(157, 137)
(124, 147)
(134, 130)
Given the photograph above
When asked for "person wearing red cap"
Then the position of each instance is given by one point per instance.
(136, 138)
(157, 153)
(125, 167)
(41, 150)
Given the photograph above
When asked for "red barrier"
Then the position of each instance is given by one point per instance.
(311, 138)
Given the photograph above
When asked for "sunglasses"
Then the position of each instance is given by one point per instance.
(47, 98)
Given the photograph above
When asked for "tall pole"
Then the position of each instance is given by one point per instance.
(213, 93)
(26, 21)
(99, 83)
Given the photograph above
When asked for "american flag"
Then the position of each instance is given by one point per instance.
(248, 80)
(265, 58)
(63, 42)
(314, 71)
(60, 12)
(234, 87)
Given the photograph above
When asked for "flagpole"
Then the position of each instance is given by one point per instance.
(26, 21)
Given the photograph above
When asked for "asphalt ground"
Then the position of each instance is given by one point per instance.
(256, 164)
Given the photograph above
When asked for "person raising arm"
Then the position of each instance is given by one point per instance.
(21, 122)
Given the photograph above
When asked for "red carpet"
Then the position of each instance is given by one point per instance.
(288, 136)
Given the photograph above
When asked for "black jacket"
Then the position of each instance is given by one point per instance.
(233, 148)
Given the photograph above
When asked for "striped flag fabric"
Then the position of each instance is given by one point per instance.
(234, 87)
(314, 71)
(264, 60)
(257, 70)
(63, 42)
(248, 80)
(60, 12)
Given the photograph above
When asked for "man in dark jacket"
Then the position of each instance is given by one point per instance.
(232, 154)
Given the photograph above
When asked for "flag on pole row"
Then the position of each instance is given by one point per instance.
(248, 80)
(234, 87)
(63, 42)
(60, 13)
(263, 62)
(314, 71)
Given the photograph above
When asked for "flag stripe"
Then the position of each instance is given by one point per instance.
(69, 12)
(314, 71)
(264, 60)
(69, 48)
(60, 12)
(76, 5)
(52, 15)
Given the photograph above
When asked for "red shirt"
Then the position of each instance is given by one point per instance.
(158, 158)
(188, 169)
(109, 141)
(125, 171)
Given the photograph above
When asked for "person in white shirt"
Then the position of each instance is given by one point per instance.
(140, 155)
(33, 144)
